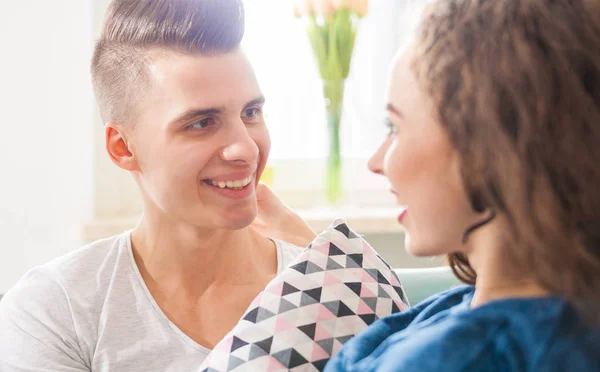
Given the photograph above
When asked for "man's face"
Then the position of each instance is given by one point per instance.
(200, 140)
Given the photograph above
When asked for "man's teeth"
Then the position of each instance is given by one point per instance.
(236, 185)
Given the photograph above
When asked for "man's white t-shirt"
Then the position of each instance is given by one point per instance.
(91, 311)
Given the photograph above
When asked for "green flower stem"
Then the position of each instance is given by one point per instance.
(332, 41)
(333, 91)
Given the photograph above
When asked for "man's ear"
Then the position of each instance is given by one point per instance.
(118, 147)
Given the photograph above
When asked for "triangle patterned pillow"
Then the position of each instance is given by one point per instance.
(330, 292)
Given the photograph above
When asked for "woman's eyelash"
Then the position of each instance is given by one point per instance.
(391, 127)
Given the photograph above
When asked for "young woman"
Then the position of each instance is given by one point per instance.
(494, 148)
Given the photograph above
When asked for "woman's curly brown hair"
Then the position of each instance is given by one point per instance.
(517, 88)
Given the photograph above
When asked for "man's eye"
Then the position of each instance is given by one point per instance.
(252, 113)
(202, 124)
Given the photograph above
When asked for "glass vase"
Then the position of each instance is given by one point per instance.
(333, 92)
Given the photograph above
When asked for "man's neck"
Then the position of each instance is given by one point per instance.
(188, 261)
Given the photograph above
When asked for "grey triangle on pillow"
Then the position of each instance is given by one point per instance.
(288, 289)
(344, 310)
(357, 258)
(237, 343)
(344, 229)
(333, 306)
(334, 250)
(371, 302)
(327, 345)
(256, 352)
(315, 293)
(332, 265)
(344, 339)
(373, 272)
(265, 344)
(382, 293)
(234, 363)
(290, 358)
(320, 364)
(307, 300)
(368, 318)
(285, 305)
(301, 267)
(309, 330)
(312, 268)
(356, 287)
(351, 264)
(263, 314)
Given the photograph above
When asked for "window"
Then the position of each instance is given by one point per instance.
(278, 47)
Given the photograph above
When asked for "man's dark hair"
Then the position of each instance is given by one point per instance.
(136, 31)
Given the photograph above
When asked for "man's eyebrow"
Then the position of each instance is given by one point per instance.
(256, 102)
(394, 110)
(194, 113)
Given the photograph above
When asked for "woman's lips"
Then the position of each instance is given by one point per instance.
(402, 215)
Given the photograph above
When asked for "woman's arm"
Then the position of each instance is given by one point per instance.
(276, 220)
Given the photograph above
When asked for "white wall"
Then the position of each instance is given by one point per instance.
(46, 126)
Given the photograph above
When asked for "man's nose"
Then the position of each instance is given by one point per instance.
(241, 147)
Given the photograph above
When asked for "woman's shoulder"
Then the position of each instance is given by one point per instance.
(439, 341)
(402, 339)
(460, 294)
(528, 334)
(511, 335)
(571, 345)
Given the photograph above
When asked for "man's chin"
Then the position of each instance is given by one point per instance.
(239, 224)
(237, 220)
(223, 217)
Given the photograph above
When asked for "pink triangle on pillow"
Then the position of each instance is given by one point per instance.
(321, 334)
(276, 289)
(324, 314)
(283, 325)
(366, 278)
(275, 365)
(330, 280)
(363, 308)
(365, 292)
(319, 353)
(323, 248)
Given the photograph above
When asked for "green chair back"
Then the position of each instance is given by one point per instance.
(424, 282)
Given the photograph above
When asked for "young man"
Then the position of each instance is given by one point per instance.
(183, 114)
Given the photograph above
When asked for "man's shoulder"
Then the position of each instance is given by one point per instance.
(289, 247)
(90, 258)
(82, 271)
(287, 252)
(55, 307)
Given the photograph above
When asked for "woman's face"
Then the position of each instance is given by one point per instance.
(422, 167)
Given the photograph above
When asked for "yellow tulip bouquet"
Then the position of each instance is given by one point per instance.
(331, 28)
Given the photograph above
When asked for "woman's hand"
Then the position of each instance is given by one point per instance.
(277, 221)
